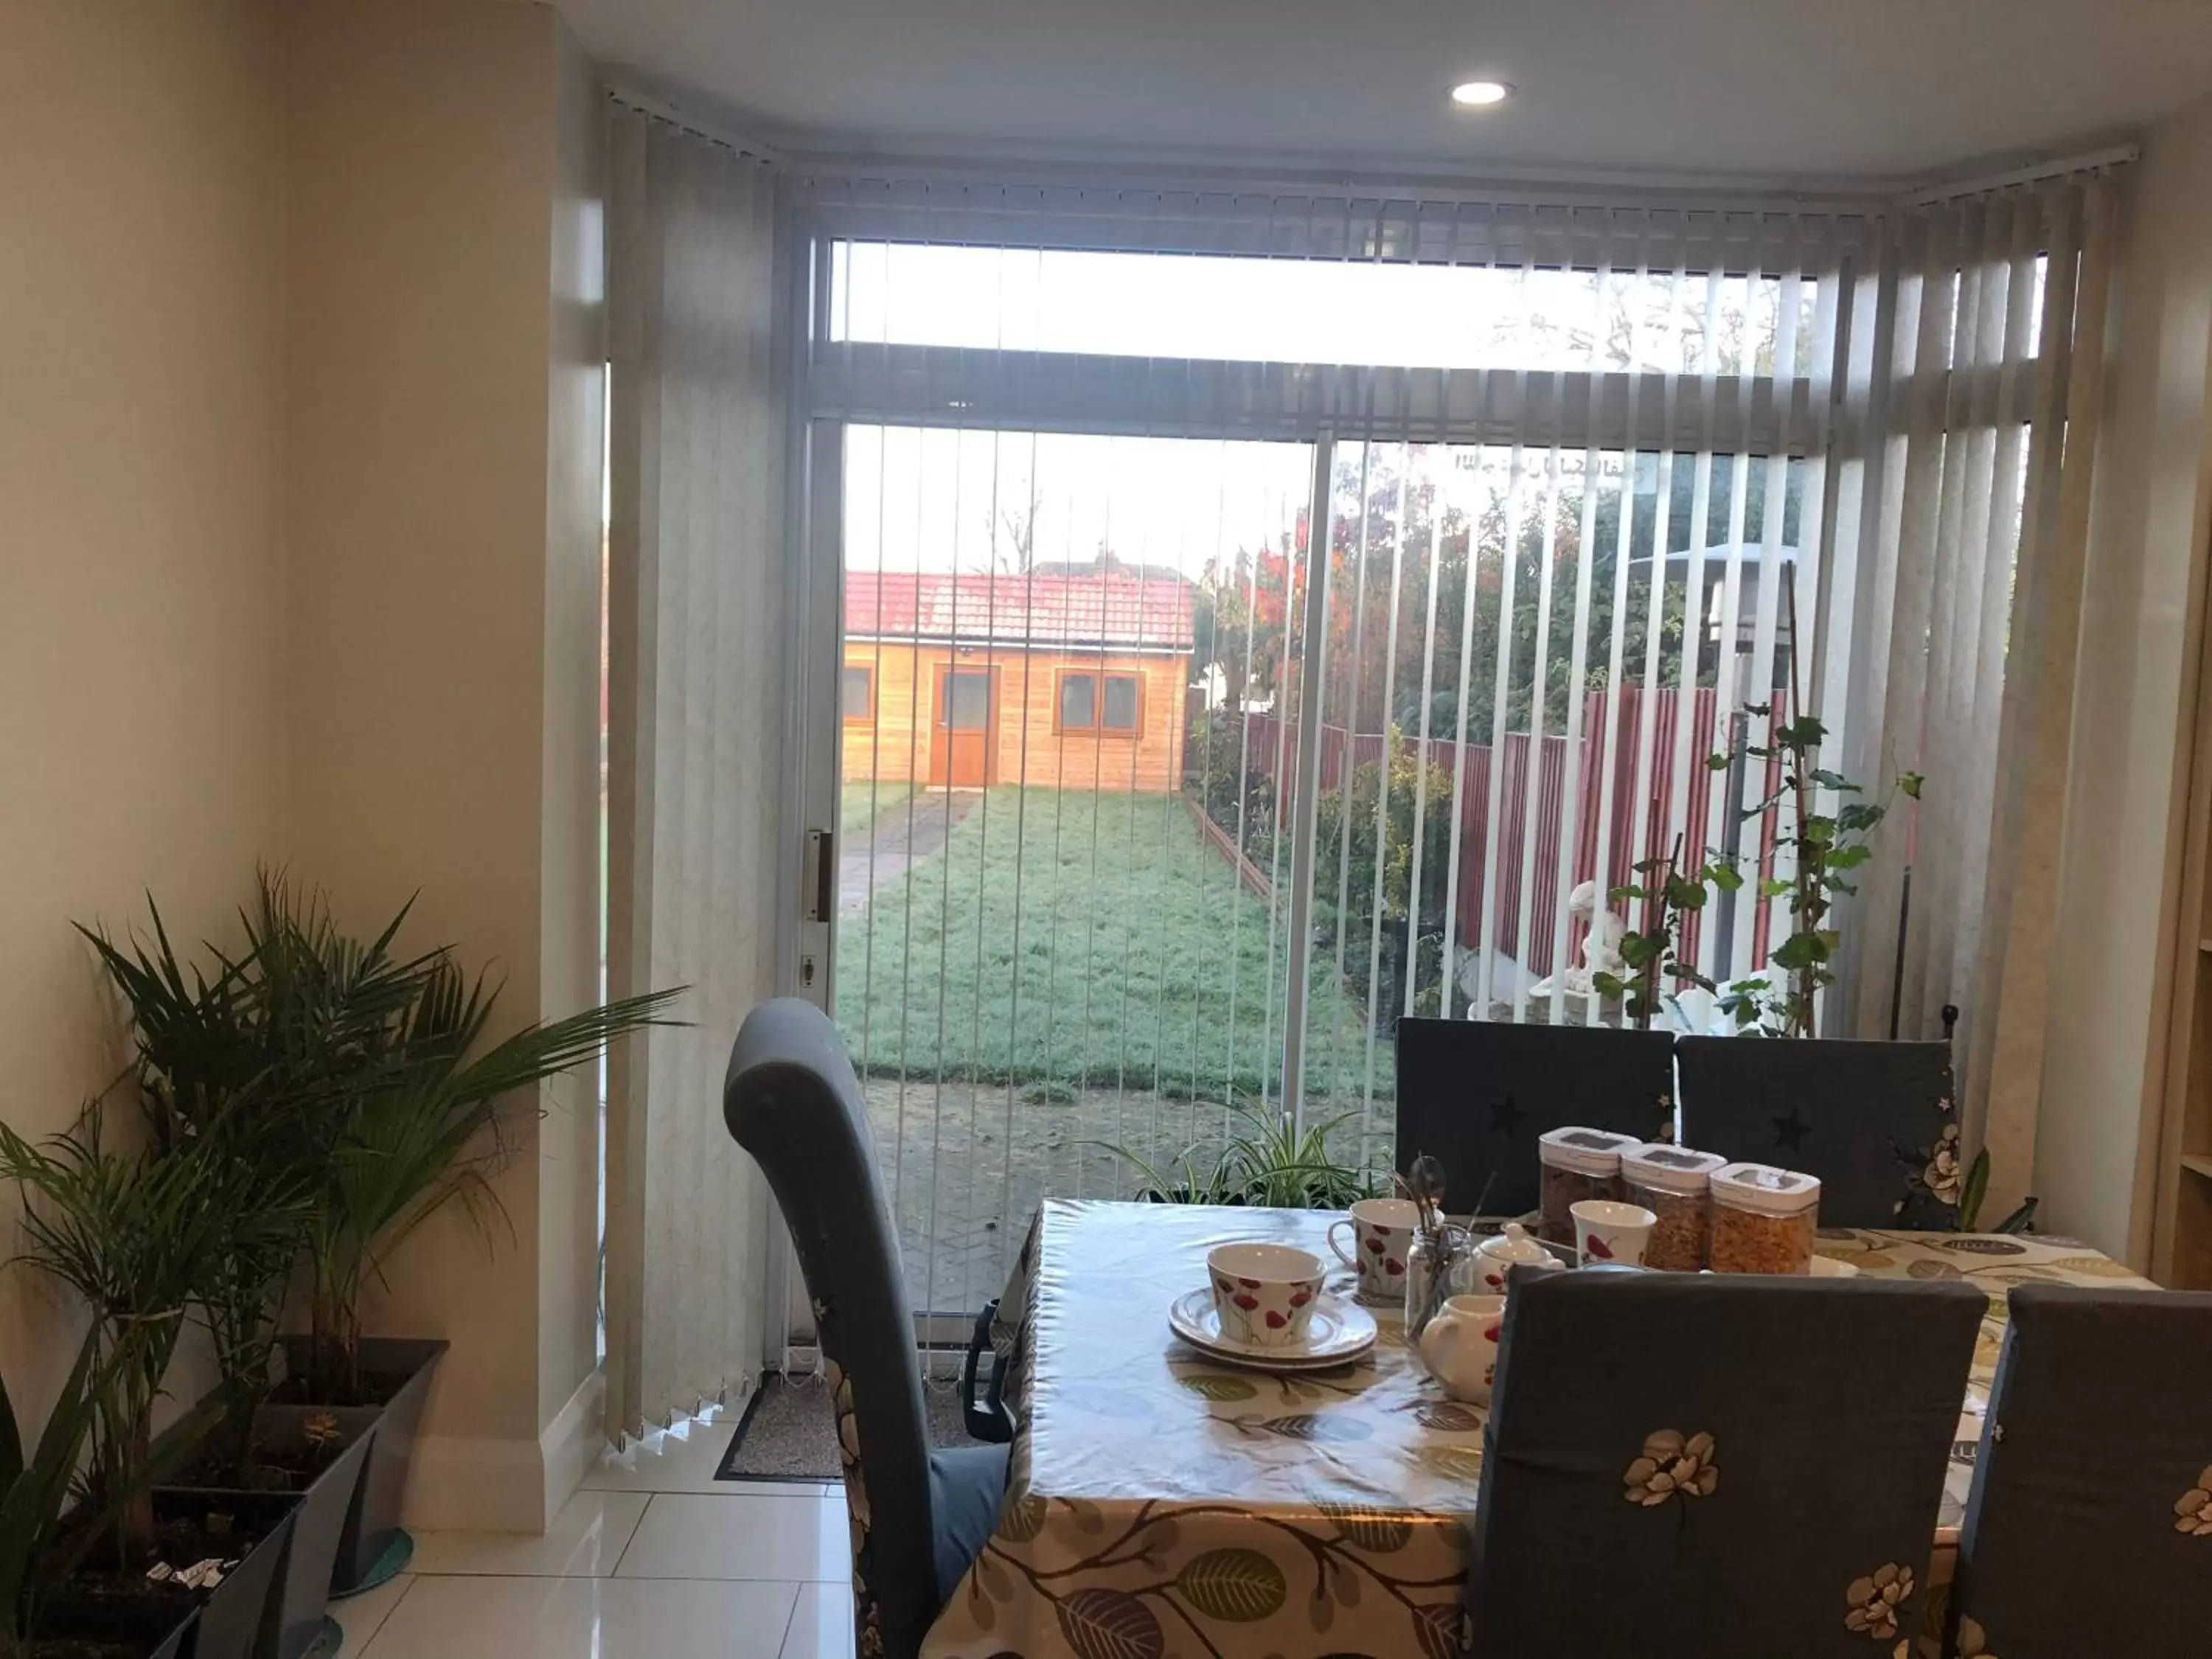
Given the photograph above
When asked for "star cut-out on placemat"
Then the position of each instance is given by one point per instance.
(1790, 1132)
(1505, 1116)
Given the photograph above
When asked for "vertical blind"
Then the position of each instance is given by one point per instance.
(1605, 483)
(1978, 448)
(695, 442)
(1595, 486)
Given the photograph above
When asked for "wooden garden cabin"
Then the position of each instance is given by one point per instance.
(1060, 679)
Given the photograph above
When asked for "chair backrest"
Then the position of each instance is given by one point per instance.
(1477, 1093)
(791, 1100)
(1873, 1120)
(2089, 1527)
(1703, 1466)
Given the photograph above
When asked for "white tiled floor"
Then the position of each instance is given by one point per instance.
(654, 1559)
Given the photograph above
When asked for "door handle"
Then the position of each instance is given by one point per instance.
(820, 847)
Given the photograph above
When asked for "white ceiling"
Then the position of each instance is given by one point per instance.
(1771, 88)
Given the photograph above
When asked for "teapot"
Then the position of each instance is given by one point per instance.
(1495, 1256)
(1459, 1345)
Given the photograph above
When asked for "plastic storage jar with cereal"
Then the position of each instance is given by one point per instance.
(1577, 1164)
(1675, 1184)
(1762, 1220)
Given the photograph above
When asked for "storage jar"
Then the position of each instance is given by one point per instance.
(1577, 1164)
(1675, 1184)
(1762, 1220)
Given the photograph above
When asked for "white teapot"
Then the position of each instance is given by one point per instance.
(1460, 1345)
(1495, 1256)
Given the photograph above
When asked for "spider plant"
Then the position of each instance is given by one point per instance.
(1270, 1161)
(137, 1235)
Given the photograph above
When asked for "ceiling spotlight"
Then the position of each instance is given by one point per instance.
(1480, 95)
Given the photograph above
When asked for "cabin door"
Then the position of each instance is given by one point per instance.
(963, 748)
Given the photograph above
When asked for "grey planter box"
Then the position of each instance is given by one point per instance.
(388, 1429)
(238, 1621)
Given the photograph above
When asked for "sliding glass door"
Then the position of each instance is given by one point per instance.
(1058, 961)
(1187, 707)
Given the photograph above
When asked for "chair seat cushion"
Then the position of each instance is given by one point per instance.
(967, 1484)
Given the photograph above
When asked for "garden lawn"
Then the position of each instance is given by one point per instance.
(860, 804)
(1067, 940)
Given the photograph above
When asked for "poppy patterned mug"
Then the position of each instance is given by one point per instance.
(1381, 1239)
(1265, 1293)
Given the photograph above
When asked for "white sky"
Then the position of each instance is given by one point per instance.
(927, 499)
(1316, 311)
(940, 499)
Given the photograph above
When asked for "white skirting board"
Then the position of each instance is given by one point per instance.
(463, 1483)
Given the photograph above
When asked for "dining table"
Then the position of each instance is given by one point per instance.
(1162, 1504)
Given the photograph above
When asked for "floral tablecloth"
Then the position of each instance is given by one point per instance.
(1161, 1504)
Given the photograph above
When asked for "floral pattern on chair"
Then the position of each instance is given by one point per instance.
(868, 1612)
(1874, 1600)
(1671, 1464)
(2192, 1510)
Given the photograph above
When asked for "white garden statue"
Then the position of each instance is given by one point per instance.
(1600, 947)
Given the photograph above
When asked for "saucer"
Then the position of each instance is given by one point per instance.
(1341, 1332)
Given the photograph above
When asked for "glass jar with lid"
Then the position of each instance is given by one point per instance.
(1762, 1220)
(1675, 1184)
(1576, 1163)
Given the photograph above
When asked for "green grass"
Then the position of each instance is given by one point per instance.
(860, 804)
(1067, 938)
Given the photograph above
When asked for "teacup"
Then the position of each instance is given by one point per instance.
(1610, 1234)
(1382, 1237)
(1264, 1293)
(1460, 1345)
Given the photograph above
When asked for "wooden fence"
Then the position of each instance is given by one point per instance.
(1661, 786)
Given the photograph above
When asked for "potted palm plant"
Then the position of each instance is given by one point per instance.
(226, 1054)
(340, 1059)
(37, 1548)
(135, 1235)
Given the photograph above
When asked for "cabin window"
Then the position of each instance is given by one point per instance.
(858, 692)
(1110, 705)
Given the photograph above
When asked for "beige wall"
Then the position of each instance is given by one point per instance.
(300, 444)
(140, 297)
(443, 433)
(2103, 1073)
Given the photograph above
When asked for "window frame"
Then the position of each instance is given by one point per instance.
(1098, 728)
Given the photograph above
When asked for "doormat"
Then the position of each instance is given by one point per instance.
(788, 1431)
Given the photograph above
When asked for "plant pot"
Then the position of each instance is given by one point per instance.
(237, 1621)
(389, 1425)
(328, 1507)
(146, 1627)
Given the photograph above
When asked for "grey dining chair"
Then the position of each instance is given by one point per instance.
(1477, 1094)
(1875, 1122)
(1706, 1467)
(920, 1517)
(2089, 1527)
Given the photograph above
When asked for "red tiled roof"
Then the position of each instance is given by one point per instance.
(1110, 609)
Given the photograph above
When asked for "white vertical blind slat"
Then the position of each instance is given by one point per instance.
(2011, 991)
(696, 752)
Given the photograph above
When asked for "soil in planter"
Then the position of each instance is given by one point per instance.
(109, 1615)
(127, 1629)
(376, 1389)
(268, 1469)
(179, 1542)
